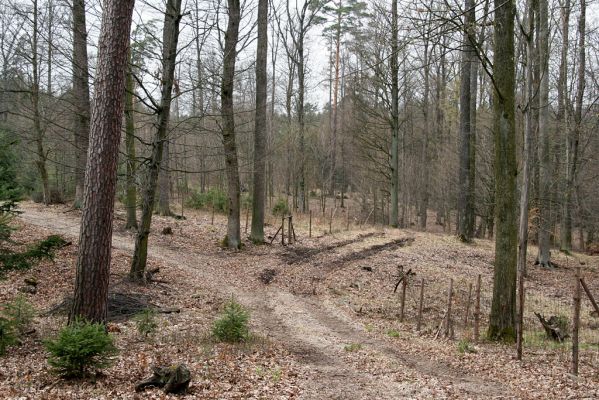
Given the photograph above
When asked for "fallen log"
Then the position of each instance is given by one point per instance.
(173, 379)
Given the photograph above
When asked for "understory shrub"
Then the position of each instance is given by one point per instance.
(20, 313)
(212, 198)
(15, 318)
(44, 249)
(79, 349)
(281, 208)
(8, 335)
(232, 326)
(145, 322)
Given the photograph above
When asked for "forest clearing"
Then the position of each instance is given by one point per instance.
(323, 329)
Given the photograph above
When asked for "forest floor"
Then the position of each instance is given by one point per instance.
(326, 324)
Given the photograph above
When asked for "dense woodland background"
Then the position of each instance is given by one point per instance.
(413, 113)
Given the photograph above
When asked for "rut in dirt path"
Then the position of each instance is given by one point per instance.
(310, 328)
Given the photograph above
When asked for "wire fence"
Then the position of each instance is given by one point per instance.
(429, 306)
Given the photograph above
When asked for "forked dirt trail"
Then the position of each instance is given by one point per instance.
(310, 326)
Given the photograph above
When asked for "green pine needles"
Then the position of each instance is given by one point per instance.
(232, 326)
(80, 349)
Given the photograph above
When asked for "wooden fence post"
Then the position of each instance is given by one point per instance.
(448, 316)
(576, 323)
(347, 210)
(404, 285)
(283, 231)
(477, 310)
(468, 304)
(247, 217)
(590, 296)
(310, 229)
(212, 221)
(331, 222)
(419, 324)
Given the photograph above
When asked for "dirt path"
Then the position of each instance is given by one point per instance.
(311, 328)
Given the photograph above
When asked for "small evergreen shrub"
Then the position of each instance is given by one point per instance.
(146, 323)
(353, 347)
(19, 313)
(464, 347)
(41, 250)
(280, 208)
(232, 326)
(212, 198)
(79, 349)
(8, 335)
(393, 333)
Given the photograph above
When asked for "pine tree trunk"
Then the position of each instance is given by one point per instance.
(81, 96)
(503, 308)
(232, 168)
(259, 191)
(95, 238)
(164, 181)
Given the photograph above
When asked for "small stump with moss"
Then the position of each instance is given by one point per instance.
(173, 379)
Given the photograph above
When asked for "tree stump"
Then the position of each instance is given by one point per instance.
(173, 379)
(552, 328)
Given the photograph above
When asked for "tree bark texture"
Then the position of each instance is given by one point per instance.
(170, 40)
(466, 192)
(229, 141)
(259, 192)
(503, 307)
(544, 152)
(81, 96)
(394, 116)
(130, 187)
(93, 259)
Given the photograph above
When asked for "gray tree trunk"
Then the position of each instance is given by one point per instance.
(502, 321)
(170, 40)
(259, 192)
(81, 96)
(466, 186)
(232, 168)
(130, 187)
(394, 116)
(573, 137)
(544, 255)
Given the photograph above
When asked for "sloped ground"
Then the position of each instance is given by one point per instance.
(325, 319)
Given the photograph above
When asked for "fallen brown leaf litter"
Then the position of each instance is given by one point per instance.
(326, 324)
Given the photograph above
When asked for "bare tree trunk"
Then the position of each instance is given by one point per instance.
(131, 190)
(164, 181)
(424, 195)
(503, 308)
(528, 133)
(394, 117)
(232, 168)
(466, 192)
(81, 95)
(95, 238)
(37, 117)
(562, 110)
(170, 40)
(544, 255)
(259, 192)
(573, 136)
(301, 81)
